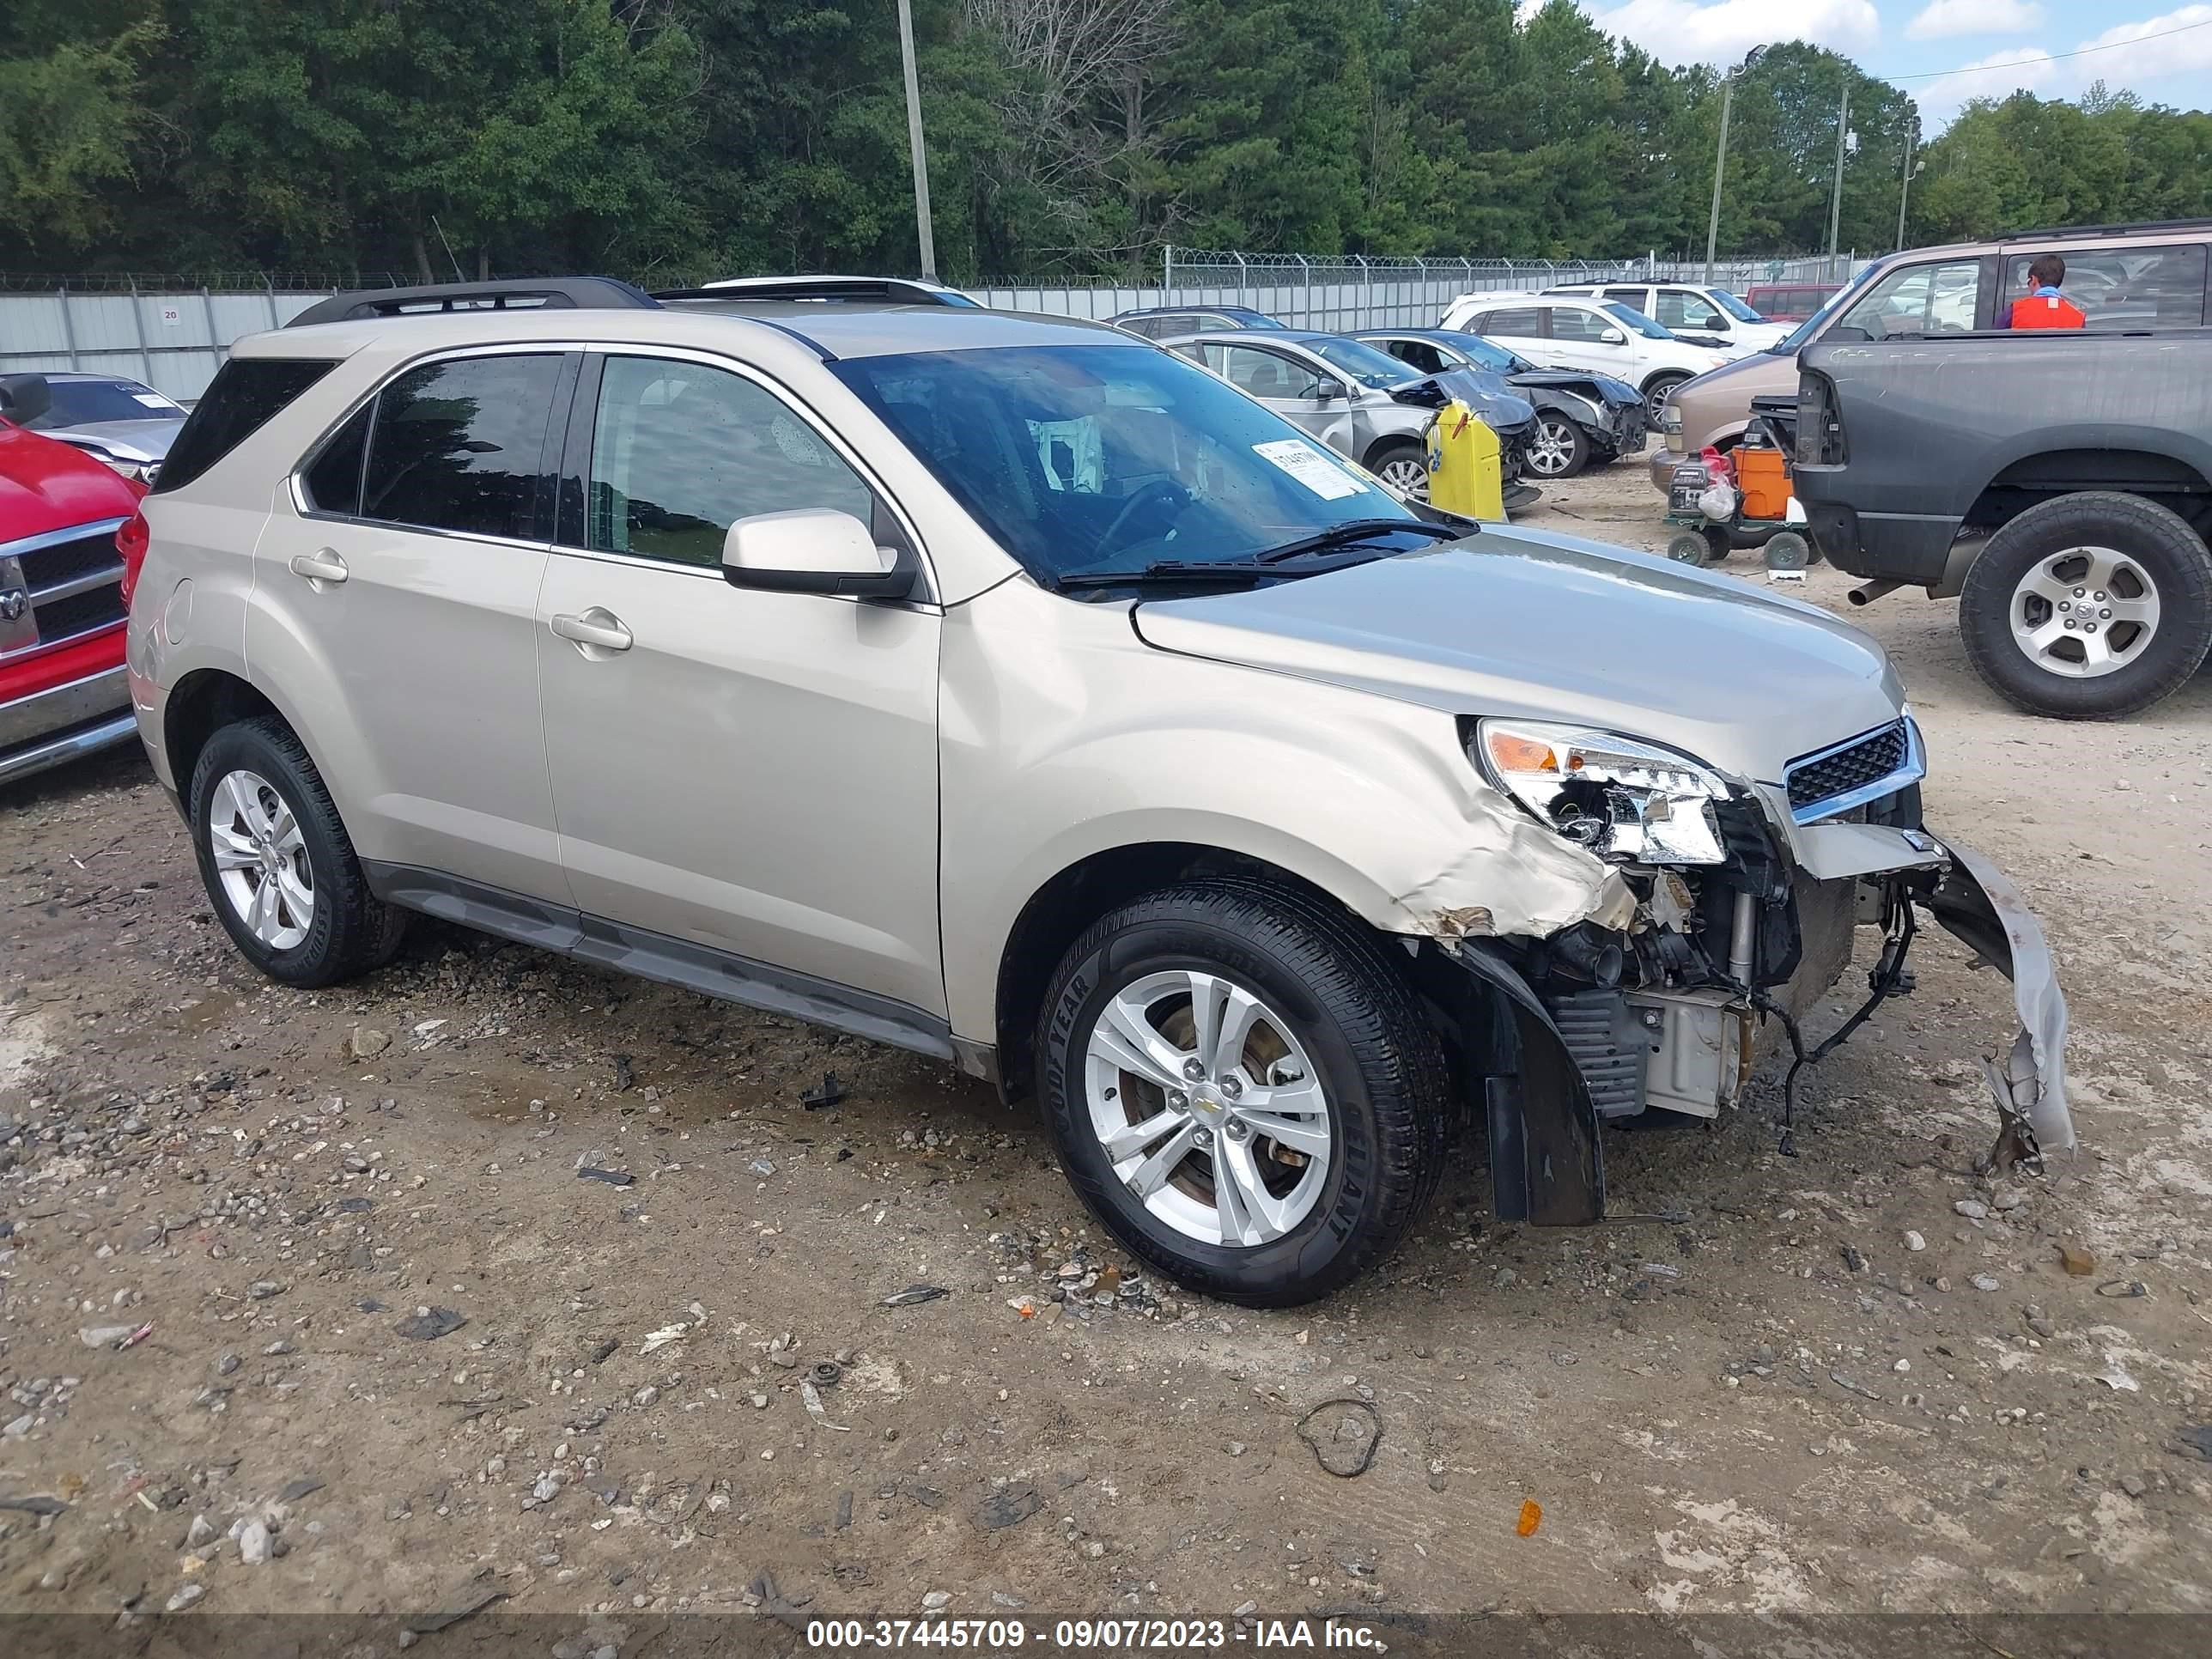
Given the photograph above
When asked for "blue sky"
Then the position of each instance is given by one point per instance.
(1955, 49)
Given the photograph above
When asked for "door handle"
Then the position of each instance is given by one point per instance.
(324, 566)
(597, 628)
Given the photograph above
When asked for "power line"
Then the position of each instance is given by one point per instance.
(2046, 58)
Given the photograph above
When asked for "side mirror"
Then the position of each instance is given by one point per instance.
(814, 549)
(1327, 392)
(24, 398)
(1612, 336)
(1719, 325)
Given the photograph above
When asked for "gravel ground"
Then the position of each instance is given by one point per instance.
(497, 1274)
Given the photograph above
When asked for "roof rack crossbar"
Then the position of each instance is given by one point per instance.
(873, 290)
(2063, 232)
(510, 293)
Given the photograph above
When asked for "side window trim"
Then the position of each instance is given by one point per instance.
(572, 529)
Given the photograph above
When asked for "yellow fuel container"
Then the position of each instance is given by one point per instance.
(1465, 474)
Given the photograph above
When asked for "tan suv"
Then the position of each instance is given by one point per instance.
(1017, 692)
(2149, 276)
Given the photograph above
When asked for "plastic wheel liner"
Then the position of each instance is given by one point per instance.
(1547, 1158)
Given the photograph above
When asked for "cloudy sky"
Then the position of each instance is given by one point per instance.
(1945, 51)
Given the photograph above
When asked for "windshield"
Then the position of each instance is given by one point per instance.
(1488, 354)
(1635, 320)
(1103, 458)
(1818, 320)
(82, 403)
(1735, 308)
(1369, 365)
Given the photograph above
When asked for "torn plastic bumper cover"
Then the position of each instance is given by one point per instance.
(1546, 1162)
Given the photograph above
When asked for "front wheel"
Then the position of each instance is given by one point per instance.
(1560, 449)
(2090, 606)
(1242, 1089)
(1402, 467)
(1655, 394)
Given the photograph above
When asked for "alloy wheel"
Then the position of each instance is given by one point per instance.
(1208, 1108)
(261, 859)
(1407, 475)
(1552, 450)
(2084, 612)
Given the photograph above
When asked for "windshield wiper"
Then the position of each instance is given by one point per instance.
(1245, 569)
(1164, 570)
(1356, 530)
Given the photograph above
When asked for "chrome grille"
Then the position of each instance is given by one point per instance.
(59, 587)
(1867, 767)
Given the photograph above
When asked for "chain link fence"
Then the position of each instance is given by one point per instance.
(171, 330)
(1350, 292)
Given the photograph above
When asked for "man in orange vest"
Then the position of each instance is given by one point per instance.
(2043, 306)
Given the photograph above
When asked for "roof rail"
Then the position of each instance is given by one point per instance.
(2106, 230)
(877, 290)
(509, 294)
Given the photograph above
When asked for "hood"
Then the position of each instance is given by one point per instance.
(1551, 628)
(1600, 388)
(45, 485)
(1760, 336)
(127, 441)
(1485, 393)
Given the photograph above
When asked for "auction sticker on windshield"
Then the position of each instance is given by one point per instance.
(1311, 467)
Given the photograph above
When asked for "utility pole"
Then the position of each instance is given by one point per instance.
(1720, 163)
(1835, 199)
(1904, 186)
(1720, 156)
(913, 136)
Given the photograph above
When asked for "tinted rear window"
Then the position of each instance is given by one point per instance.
(245, 396)
(460, 446)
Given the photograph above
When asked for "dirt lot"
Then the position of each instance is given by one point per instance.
(1860, 1379)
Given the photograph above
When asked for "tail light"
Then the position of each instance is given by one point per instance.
(131, 542)
(1820, 433)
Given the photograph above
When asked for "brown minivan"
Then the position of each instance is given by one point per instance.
(2145, 276)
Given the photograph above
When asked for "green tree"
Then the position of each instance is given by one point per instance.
(73, 120)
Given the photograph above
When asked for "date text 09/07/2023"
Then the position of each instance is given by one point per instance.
(1090, 1634)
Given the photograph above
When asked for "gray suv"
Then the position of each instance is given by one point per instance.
(1013, 691)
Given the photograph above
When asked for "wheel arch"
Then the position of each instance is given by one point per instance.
(1380, 449)
(199, 705)
(2161, 466)
(1082, 891)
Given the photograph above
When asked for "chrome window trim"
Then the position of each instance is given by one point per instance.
(1914, 768)
(295, 481)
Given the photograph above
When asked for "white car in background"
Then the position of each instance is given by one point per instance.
(1695, 311)
(1566, 331)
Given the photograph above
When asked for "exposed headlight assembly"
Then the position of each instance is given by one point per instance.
(1626, 800)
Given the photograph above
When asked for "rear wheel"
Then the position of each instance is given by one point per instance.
(1241, 1088)
(278, 864)
(2090, 606)
(1402, 467)
(1560, 449)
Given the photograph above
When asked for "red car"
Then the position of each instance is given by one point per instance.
(1789, 302)
(67, 526)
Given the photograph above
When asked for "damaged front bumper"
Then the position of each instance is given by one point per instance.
(1583, 1054)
